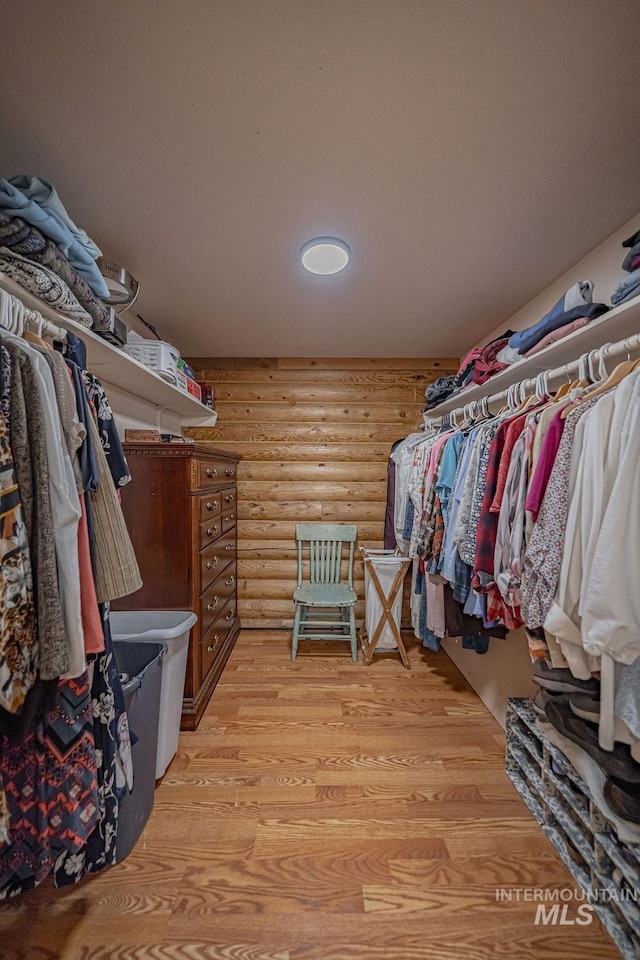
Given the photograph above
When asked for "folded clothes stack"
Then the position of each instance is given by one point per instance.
(629, 287)
(573, 310)
(44, 251)
(572, 706)
(477, 367)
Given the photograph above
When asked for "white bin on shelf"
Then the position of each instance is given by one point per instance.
(173, 628)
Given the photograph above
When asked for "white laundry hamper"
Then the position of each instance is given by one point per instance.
(384, 573)
(173, 628)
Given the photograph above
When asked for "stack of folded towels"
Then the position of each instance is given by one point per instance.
(630, 286)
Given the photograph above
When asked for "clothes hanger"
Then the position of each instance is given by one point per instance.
(541, 388)
(603, 373)
(613, 380)
(36, 338)
(9, 312)
(17, 312)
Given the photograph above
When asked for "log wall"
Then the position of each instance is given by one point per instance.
(314, 437)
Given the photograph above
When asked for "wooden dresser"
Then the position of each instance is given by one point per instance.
(180, 508)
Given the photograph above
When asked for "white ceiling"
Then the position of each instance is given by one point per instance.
(469, 151)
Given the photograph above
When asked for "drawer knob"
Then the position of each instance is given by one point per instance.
(230, 615)
(229, 471)
(212, 563)
(212, 472)
(213, 603)
(230, 582)
(212, 530)
(229, 498)
(230, 546)
(231, 517)
(211, 504)
(216, 640)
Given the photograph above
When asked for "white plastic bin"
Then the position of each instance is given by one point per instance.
(171, 627)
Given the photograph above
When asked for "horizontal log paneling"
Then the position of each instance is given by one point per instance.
(314, 437)
(316, 472)
(262, 450)
(279, 589)
(322, 490)
(320, 376)
(306, 392)
(325, 511)
(311, 432)
(286, 530)
(350, 413)
(308, 365)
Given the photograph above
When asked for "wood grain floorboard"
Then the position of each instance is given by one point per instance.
(322, 811)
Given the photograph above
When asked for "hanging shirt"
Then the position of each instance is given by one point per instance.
(65, 510)
(18, 640)
(611, 613)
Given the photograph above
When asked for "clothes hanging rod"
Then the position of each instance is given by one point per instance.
(45, 326)
(26, 317)
(608, 351)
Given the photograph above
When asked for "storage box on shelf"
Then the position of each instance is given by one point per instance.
(585, 839)
(617, 324)
(114, 366)
(155, 354)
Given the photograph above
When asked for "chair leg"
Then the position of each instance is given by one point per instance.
(352, 631)
(296, 631)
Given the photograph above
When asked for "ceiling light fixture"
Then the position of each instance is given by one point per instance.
(325, 256)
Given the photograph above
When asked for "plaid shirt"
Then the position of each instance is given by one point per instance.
(488, 522)
(498, 467)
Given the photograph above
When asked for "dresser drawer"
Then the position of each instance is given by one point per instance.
(216, 595)
(228, 499)
(209, 505)
(209, 530)
(214, 471)
(228, 516)
(213, 640)
(215, 557)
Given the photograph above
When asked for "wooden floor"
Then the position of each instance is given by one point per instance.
(323, 811)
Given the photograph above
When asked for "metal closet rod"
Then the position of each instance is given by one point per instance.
(28, 317)
(525, 387)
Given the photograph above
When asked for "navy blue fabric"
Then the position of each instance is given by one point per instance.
(525, 340)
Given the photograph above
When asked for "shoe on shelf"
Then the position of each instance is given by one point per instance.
(586, 706)
(541, 700)
(617, 762)
(623, 798)
(561, 680)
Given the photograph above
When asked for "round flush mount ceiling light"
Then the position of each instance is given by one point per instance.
(325, 255)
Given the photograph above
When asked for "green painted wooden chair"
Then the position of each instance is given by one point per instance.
(330, 598)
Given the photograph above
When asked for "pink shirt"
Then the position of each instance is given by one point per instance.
(544, 466)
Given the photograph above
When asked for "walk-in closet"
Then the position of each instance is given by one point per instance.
(319, 480)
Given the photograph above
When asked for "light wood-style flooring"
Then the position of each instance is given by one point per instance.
(323, 811)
